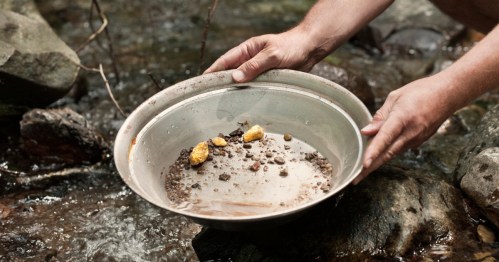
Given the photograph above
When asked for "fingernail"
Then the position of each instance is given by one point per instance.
(238, 76)
(367, 128)
(368, 163)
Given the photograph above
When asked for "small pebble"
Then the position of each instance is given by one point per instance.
(279, 160)
(287, 137)
(224, 177)
(262, 162)
(249, 155)
(255, 166)
(269, 154)
(485, 234)
(255, 158)
(265, 169)
(284, 172)
(270, 161)
(281, 204)
(287, 147)
(216, 189)
(196, 186)
(238, 132)
(248, 146)
(219, 141)
(254, 133)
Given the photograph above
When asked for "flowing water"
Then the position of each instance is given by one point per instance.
(96, 217)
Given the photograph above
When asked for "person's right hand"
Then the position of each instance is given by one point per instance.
(290, 50)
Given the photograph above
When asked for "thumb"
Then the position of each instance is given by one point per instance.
(255, 66)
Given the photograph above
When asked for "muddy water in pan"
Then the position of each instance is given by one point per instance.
(229, 185)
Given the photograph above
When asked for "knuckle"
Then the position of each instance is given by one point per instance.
(252, 65)
(389, 154)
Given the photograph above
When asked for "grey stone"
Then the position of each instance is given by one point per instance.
(391, 213)
(36, 67)
(430, 24)
(481, 183)
(349, 80)
(485, 135)
(61, 135)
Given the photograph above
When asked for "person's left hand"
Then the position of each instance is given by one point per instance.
(409, 116)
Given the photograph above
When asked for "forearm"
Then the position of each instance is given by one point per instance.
(330, 23)
(475, 73)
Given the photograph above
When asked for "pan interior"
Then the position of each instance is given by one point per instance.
(314, 122)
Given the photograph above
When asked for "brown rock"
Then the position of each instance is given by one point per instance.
(61, 134)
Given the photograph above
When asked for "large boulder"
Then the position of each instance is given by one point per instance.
(355, 84)
(61, 135)
(485, 135)
(481, 183)
(410, 27)
(36, 67)
(390, 214)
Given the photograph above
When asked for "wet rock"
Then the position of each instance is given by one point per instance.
(485, 234)
(4, 211)
(36, 67)
(485, 135)
(414, 42)
(468, 118)
(391, 213)
(61, 134)
(437, 157)
(349, 80)
(287, 137)
(481, 183)
(405, 20)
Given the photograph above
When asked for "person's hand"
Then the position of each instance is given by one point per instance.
(291, 50)
(409, 116)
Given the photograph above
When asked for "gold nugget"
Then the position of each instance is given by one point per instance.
(218, 141)
(199, 154)
(254, 133)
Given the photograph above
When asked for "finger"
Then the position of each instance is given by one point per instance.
(386, 156)
(388, 133)
(238, 55)
(263, 61)
(378, 120)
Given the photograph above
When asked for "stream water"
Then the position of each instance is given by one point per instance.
(96, 217)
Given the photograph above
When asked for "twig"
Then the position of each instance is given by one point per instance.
(109, 42)
(102, 27)
(90, 18)
(109, 90)
(89, 69)
(4, 170)
(65, 172)
(160, 87)
(205, 35)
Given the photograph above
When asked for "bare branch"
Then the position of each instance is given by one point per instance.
(109, 42)
(103, 26)
(160, 87)
(205, 35)
(109, 90)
